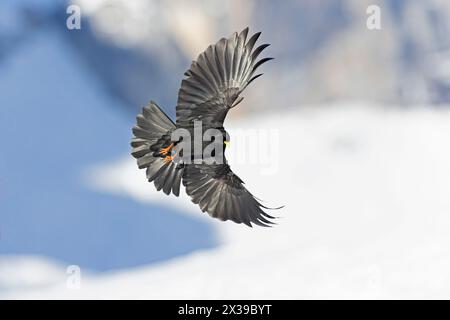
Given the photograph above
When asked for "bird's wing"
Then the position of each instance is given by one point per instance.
(221, 193)
(216, 79)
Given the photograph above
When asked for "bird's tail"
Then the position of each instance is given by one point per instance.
(152, 130)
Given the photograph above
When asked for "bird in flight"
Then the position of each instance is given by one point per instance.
(211, 87)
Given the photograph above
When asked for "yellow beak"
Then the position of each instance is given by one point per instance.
(227, 142)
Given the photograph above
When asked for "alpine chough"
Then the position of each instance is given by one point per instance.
(211, 87)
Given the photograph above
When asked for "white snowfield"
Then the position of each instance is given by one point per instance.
(367, 215)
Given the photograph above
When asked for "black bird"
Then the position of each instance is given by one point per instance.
(212, 87)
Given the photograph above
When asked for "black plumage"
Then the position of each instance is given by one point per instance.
(212, 87)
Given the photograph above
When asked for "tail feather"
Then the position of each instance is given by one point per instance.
(152, 124)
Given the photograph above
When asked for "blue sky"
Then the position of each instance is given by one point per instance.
(56, 120)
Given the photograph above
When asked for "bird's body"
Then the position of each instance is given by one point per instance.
(192, 150)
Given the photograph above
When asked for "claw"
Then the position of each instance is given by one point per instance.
(169, 158)
(165, 151)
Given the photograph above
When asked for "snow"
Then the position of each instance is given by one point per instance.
(366, 215)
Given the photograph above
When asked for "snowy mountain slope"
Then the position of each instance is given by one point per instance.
(366, 216)
(323, 47)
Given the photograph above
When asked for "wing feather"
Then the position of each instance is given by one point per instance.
(217, 78)
(177, 182)
(218, 191)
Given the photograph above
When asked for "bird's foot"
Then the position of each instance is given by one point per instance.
(165, 151)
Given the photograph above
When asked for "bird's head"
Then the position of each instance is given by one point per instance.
(226, 138)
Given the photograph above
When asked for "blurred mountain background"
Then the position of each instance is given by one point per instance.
(139, 49)
(323, 49)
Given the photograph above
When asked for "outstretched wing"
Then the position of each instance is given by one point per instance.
(221, 193)
(217, 78)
